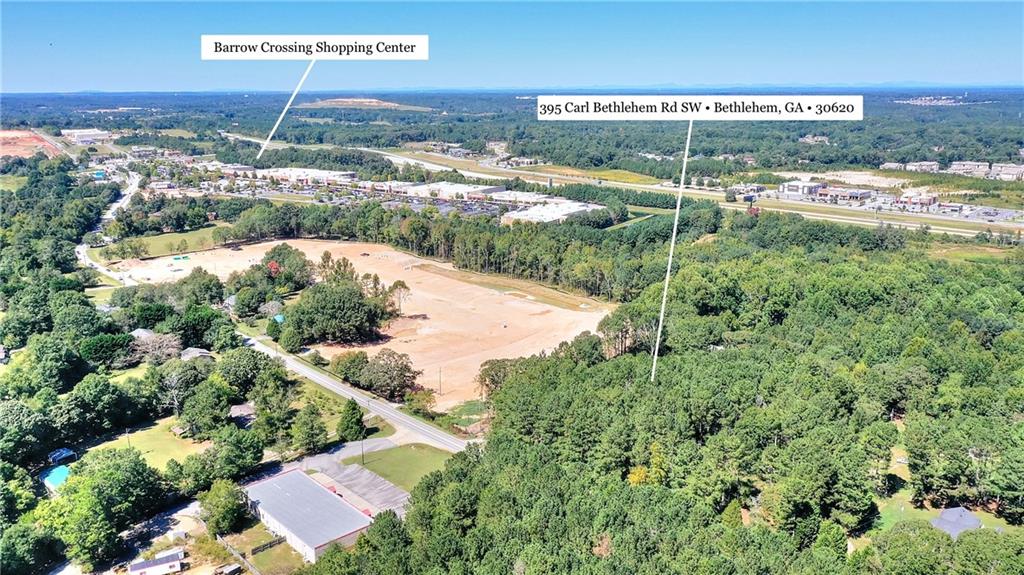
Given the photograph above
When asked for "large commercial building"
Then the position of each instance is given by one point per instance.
(514, 197)
(801, 187)
(453, 191)
(972, 169)
(928, 167)
(1006, 172)
(557, 210)
(307, 176)
(309, 516)
(86, 136)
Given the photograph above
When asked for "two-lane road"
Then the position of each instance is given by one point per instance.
(375, 406)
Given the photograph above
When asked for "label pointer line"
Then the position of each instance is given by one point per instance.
(270, 136)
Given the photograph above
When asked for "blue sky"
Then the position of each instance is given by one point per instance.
(57, 47)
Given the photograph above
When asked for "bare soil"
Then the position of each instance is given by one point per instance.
(451, 322)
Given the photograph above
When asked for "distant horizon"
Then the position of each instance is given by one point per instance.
(569, 89)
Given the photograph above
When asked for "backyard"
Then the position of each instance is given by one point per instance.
(156, 442)
(280, 559)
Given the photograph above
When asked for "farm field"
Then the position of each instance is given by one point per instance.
(624, 176)
(452, 321)
(156, 442)
(405, 465)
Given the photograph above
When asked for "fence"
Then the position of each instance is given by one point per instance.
(267, 545)
(240, 556)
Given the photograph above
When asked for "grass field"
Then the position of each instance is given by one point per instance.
(123, 375)
(99, 296)
(171, 244)
(634, 218)
(156, 442)
(177, 133)
(979, 254)
(624, 176)
(280, 559)
(405, 465)
(11, 183)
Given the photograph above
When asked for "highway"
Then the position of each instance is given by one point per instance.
(908, 220)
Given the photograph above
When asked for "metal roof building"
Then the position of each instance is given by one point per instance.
(309, 516)
(955, 521)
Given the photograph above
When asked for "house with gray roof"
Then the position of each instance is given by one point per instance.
(306, 514)
(190, 353)
(955, 521)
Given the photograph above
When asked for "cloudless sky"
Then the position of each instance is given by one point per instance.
(61, 47)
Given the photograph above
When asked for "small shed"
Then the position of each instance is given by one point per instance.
(243, 414)
(170, 561)
(955, 521)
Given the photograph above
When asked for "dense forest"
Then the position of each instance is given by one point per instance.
(791, 372)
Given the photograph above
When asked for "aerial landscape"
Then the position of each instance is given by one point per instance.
(410, 316)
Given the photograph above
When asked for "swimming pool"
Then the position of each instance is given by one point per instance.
(55, 477)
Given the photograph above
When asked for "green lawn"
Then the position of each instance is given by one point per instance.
(899, 507)
(376, 427)
(973, 253)
(12, 183)
(171, 244)
(634, 218)
(280, 559)
(122, 375)
(404, 465)
(156, 442)
(178, 133)
(100, 296)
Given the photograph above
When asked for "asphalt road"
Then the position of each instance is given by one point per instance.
(81, 250)
(375, 406)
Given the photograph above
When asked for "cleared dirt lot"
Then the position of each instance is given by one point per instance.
(24, 144)
(848, 177)
(452, 322)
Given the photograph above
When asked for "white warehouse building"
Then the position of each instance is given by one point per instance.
(554, 211)
(453, 191)
(310, 517)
